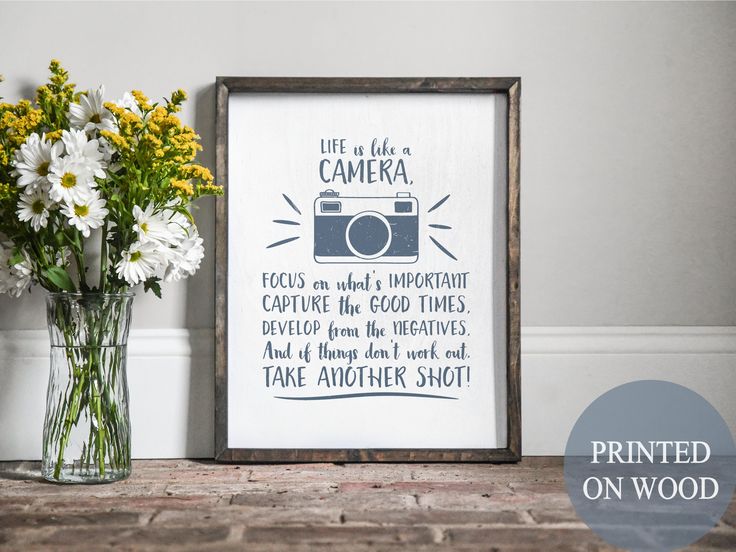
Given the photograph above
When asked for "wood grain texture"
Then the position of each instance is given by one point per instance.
(369, 85)
(221, 263)
(511, 86)
(513, 287)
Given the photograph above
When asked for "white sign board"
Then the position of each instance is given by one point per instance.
(366, 271)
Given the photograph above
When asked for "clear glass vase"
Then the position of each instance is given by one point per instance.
(86, 433)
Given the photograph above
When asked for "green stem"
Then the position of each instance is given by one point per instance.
(83, 270)
(100, 431)
(93, 380)
(103, 260)
(95, 336)
(80, 268)
(69, 420)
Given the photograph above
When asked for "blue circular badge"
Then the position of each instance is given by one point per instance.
(650, 465)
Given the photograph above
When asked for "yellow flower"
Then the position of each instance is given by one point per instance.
(43, 93)
(197, 171)
(142, 100)
(116, 140)
(59, 75)
(182, 186)
(7, 120)
(8, 191)
(158, 115)
(152, 140)
(19, 121)
(114, 108)
(177, 97)
(210, 189)
(54, 135)
(129, 123)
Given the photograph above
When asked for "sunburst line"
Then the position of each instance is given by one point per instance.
(440, 226)
(442, 248)
(282, 242)
(440, 202)
(291, 204)
(290, 222)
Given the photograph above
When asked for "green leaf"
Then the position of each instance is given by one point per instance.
(60, 238)
(184, 211)
(59, 277)
(153, 285)
(16, 257)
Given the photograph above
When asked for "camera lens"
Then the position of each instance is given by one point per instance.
(368, 235)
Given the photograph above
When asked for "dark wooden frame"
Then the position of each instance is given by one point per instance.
(511, 86)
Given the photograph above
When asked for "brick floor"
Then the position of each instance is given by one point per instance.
(194, 505)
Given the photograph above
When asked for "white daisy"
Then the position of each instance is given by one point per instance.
(32, 162)
(107, 152)
(128, 102)
(34, 208)
(179, 225)
(87, 214)
(23, 274)
(17, 278)
(6, 279)
(90, 114)
(186, 257)
(71, 180)
(152, 226)
(83, 149)
(140, 261)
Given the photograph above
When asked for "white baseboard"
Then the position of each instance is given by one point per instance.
(143, 343)
(171, 378)
(620, 340)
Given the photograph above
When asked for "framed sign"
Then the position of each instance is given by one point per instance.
(368, 270)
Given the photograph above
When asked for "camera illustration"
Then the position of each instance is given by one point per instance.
(366, 229)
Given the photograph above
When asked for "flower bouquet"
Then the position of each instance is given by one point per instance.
(94, 200)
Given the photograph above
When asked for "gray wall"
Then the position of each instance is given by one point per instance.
(628, 183)
(628, 127)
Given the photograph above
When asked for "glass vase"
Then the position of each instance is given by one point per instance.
(86, 433)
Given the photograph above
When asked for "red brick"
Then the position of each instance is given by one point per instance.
(433, 517)
(249, 516)
(717, 540)
(552, 515)
(729, 517)
(426, 487)
(528, 538)
(339, 535)
(138, 536)
(131, 503)
(15, 504)
(37, 519)
(299, 499)
(201, 506)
